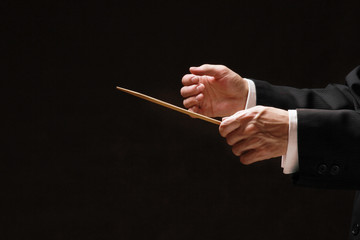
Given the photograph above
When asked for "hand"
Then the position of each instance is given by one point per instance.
(214, 91)
(257, 133)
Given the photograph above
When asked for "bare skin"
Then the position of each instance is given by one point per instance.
(254, 134)
(214, 91)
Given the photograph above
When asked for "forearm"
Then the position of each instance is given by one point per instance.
(325, 150)
(329, 153)
(332, 97)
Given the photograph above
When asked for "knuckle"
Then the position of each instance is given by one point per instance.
(238, 118)
(229, 141)
(182, 91)
(222, 131)
(222, 70)
(257, 110)
(221, 67)
(223, 126)
(259, 107)
(251, 129)
(257, 141)
(184, 78)
(235, 151)
(244, 160)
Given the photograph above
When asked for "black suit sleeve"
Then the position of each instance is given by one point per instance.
(328, 130)
(329, 148)
(334, 96)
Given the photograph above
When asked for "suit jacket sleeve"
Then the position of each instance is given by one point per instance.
(328, 130)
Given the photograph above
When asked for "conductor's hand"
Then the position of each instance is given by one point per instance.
(257, 133)
(214, 91)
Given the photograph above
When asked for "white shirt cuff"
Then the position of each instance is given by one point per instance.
(290, 161)
(251, 97)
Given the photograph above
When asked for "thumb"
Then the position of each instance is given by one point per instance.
(207, 69)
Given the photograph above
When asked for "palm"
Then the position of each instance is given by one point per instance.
(222, 95)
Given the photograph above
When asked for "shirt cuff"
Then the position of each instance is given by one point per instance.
(251, 97)
(290, 161)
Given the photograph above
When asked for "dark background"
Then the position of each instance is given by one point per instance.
(84, 161)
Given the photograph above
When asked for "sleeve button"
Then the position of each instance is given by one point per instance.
(355, 229)
(322, 169)
(335, 169)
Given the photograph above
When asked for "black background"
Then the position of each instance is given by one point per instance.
(84, 161)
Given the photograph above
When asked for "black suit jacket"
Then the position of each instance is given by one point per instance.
(328, 134)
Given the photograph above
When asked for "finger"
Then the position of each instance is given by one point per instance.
(195, 109)
(244, 131)
(230, 124)
(235, 136)
(200, 97)
(245, 145)
(207, 69)
(189, 79)
(191, 90)
(190, 102)
(252, 156)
